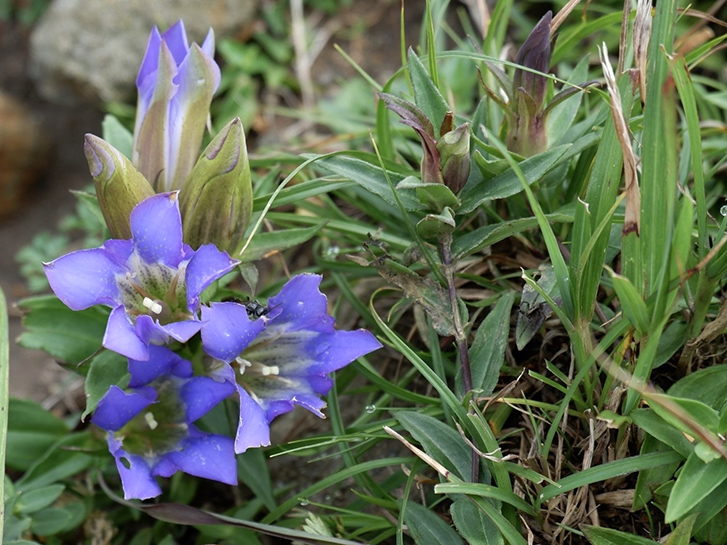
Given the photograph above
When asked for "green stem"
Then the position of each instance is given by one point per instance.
(460, 337)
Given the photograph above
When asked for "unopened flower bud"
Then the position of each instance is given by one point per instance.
(119, 186)
(534, 54)
(454, 152)
(216, 202)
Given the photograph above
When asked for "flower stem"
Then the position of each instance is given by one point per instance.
(460, 337)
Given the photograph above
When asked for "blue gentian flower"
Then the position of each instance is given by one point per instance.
(152, 282)
(282, 359)
(150, 426)
(176, 83)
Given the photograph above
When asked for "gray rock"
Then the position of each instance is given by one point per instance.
(85, 50)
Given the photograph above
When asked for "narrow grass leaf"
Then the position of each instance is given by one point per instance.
(632, 304)
(485, 491)
(4, 400)
(607, 471)
(683, 532)
(277, 241)
(606, 536)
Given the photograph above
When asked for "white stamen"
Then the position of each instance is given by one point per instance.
(151, 422)
(270, 370)
(153, 306)
(244, 364)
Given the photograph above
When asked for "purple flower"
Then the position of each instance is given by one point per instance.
(150, 426)
(176, 83)
(282, 359)
(152, 282)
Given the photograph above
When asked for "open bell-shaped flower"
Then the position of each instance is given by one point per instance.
(150, 425)
(282, 359)
(176, 82)
(152, 282)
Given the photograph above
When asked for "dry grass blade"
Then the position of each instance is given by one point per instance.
(642, 32)
(631, 190)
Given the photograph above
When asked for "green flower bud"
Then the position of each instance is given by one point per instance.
(454, 153)
(216, 202)
(119, 186)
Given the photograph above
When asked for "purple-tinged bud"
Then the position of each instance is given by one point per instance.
(454, 152)
(119, 186)
(216, 203)
(176, 83)
(534, 54)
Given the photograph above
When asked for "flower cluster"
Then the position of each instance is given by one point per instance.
(153, 284)
(166, 250)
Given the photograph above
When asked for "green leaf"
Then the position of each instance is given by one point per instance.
(432, 226)
(697, 412)
(265, 243)
(59, 462)
(439, 441)
(427, 528)
(31, 431)
(606, 536)
(632, 304)
(473, 525)
(67, 335)
(561, 117)
(35, 500)
(105, 370)
(426, 95)
(50, 521)
(371, 178)
(682, 533)
(657, 427)
(252, 468)
(707, 385)
(117, 135)
(487, 353)
(694, 483)
(508, 184)
(432, 196)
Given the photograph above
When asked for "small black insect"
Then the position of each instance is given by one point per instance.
(255, 309)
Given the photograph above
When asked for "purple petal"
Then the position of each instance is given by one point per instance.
(253, 430)
(85, 278)
(156, 227)
(176, 39)
(209, 45)
(180, 331)
(121, 336)
(301, 304)
(336, 350)
(119, 250)
(227, 330)
(207, 456)
(161, 362)
(137, 478)
(117, 407)
(149, 64)
(207, 265)
(201, 394)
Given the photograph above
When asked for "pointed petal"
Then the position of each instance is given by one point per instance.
(227, 330)
(332, 351)
(121, 337)
(207, 456)
(302, 305)
(253, 430)
(137, 478)
(148, 66)
(181, 331)
(117, 407)
(208, 47)
(207, 265)
(277, 395)
(157, 229)
(198, 79)
(85, 278)
(161, 362)
(201, 394)
(176, 39)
